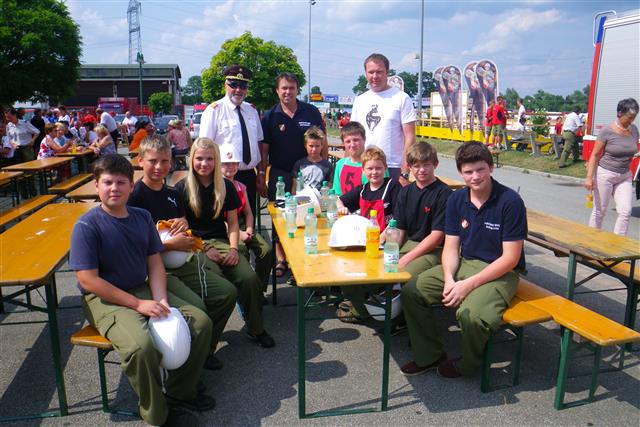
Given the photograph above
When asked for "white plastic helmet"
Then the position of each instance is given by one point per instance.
(377, 312)
(228, 154)
(349, 230)
(307, 197)
(172, 338)
(172, 259)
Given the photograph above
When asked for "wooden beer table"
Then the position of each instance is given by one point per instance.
(87, 191)
(81, 156)
(11, 177)
(41, 167)
(325, 269)
(589, 246)
(45, 237)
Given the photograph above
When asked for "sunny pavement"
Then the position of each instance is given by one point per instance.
(259, 386)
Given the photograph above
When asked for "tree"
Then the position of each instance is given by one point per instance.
(192, 92)
(265, 59)
(40, 47)
(411, 83)
(510, 95)
(361, 86)
(160, 102)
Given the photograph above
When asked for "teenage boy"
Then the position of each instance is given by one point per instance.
(314, 168)
(485, 227)
(164, 203)
(378, 194)
(115, 252)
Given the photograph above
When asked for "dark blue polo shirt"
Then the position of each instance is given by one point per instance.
(503, 218)
(285, 135)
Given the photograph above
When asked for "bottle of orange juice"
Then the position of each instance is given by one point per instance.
(372, 249)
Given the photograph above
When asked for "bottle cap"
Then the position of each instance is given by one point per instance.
(373, 213)
(324, 183)
(281, 179)
(392, 223)
(287, 194)
(310, 210)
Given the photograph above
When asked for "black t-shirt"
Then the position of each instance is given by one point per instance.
(162, 204)
(285, 135)
(206, 226)
(419, 211)
(351, 199)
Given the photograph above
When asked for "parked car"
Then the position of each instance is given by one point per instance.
(194, 125)
(162, 123)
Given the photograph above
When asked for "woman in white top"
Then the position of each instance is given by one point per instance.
(608, 172)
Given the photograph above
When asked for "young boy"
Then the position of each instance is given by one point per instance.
(249, 241)
(348, 171)
(208, 291)
(114, 248)
(314, 168)
(377, 194)
(485, 228)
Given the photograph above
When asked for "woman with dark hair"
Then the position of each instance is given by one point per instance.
(608, 172)
(144, 128)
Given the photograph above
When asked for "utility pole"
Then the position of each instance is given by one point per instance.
(311, 3)
(421, 61)
(133, 18)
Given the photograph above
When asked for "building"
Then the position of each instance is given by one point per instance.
(123, 81)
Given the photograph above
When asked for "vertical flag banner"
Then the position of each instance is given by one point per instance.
(478, 105)
(487, 74)
(444, 96)
(452, 79)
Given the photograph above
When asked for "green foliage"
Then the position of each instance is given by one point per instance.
(540, 122)
(510, 95)
(160, 102)
(361, 86)
(265, 59)
(410, 83)
(192, 92)
(40, 47)
(550, 102)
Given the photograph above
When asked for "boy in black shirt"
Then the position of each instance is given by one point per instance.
(164, 203)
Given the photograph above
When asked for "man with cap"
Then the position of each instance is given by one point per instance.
(233, 121)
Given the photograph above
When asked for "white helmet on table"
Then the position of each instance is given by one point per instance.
(349, 230)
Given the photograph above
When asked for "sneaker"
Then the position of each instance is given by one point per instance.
(345, 305)
(349, 317)
(212, 363)
(201, 403)
(449, 369)
(178, 417)
(264, 339)
(411, 369)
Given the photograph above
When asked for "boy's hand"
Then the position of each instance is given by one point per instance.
(250, 232)
(178, 225)
(457, 293)
(244, 236)
(151, 308)
(180, 242)
(214, 255)
(232, 258)
(343, 211)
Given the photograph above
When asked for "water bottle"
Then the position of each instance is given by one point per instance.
(290, 212)
(332, 208)
(299, 183)
(324, 196)
(391, 248)
(372, 248)
(280, 189)
(310, 232)
(588, 203)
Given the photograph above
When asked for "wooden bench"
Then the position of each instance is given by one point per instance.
(598, 330)
(70, 184)
(25, 208)
(90, 337)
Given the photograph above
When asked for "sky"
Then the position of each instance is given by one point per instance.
(536, 44)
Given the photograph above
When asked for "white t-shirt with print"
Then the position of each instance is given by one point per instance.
(382, 114)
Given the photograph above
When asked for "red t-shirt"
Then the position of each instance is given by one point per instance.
(489, 116)
(558, 128)
(499, 116)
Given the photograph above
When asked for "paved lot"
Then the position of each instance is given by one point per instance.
(259, 387)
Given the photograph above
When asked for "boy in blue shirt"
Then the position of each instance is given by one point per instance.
(485, 228)
(114, 248)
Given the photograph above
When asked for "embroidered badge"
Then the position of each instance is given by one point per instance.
(281, 127)
(427, 209)
(464, 223)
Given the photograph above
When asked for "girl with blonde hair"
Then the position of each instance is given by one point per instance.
(207, 198)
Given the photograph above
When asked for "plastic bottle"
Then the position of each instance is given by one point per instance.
(324, 196)
(299, 182)
(280, 189)
(310, 232)
(332, 208)
(588, 203)
(391, 248)
(290, 212)
(372, 249)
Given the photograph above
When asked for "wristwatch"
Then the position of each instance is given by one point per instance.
(405, 175)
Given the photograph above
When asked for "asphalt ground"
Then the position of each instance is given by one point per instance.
(259, 386)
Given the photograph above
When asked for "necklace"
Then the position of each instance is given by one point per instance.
(619, 126)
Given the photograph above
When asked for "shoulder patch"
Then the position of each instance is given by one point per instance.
(213, 104)
(254, 107)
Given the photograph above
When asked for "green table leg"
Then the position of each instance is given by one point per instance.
(274, 278)
(563, 369)
(571, 276)
(302, 395)
(388, 291)
(631, 306)
(55, 349)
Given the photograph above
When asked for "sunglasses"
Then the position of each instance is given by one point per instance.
(234, 84)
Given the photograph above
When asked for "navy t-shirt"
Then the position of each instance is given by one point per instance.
(502, 218)
(285, 135)
(117, 247)
(205, 225)
(419, 211)
(162, 204)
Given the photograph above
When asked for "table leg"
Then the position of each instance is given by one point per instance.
(571, 276)
(388, 291)
(302, 412)
(563, 369)
(55, 349)
(16, 192)
(43, 182)
(274, 278)
(632, 303)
